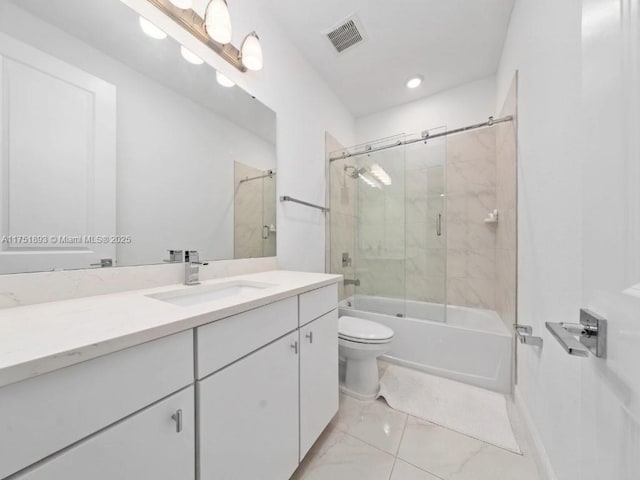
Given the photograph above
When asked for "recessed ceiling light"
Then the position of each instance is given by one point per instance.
(224, 80)
(189, 56)
(415, 81)
(151, 30)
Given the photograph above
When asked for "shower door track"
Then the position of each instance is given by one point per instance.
(424, 138)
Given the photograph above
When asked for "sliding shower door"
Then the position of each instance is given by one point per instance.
(387, 228)
(426, 252)
(380, 259)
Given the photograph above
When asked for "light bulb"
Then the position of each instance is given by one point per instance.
(415, 81)
(252, 52)
(224, 80)
(217, 21)
(151, 30)
(183, 4)
(189, 56)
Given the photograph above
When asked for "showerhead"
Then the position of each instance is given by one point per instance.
(354, 173)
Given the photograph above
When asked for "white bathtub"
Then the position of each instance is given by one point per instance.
(472, 346)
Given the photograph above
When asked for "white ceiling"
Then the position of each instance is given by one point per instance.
(449, 42)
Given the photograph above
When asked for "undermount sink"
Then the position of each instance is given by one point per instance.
(190, 296)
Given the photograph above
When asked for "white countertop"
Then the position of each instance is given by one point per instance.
(37, 339)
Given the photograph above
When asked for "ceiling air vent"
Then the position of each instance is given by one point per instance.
(346, 35)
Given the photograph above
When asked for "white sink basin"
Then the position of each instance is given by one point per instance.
(190, 296)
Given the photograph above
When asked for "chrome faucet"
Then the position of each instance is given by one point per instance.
(192, 267)
(348, 281)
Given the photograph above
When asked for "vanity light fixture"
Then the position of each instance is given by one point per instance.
(183, 4)
(415, 81)
(189, 56)
(224, 80)
(217, 21)
(151, 30)
(214, 30)
(251, 52)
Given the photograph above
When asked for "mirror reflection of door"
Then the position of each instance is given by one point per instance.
(58, 163)
(254, 212)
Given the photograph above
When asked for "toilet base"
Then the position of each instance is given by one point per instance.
(356, 395)
(361, 378)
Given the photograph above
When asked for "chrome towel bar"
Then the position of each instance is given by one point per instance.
(287, 198)
(591, 335)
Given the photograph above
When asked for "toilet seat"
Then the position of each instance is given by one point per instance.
(359, 330)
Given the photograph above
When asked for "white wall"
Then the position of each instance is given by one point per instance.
(175, 158)
(581, 409)
(470, 103)
(549, 209)
(306, 108)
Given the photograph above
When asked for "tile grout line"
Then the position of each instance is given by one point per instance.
(521, 454)
(395, 458)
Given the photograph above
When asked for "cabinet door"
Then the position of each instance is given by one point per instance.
(248, 416)
(146, 445)
(319, 390)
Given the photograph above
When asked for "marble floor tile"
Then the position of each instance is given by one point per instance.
(453, 456)
(372, 422)
(339, 456)
(405, 471)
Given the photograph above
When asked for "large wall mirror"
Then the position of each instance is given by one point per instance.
(116, 146)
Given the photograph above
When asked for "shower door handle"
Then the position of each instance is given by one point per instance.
(265, 232)
(439, 225)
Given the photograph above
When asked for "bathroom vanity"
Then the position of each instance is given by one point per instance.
(232, 379)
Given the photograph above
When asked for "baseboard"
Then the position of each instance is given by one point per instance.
(540, 452)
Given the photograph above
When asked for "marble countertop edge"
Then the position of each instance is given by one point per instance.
(91, 327)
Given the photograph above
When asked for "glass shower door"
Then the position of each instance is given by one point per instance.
(426, 252)
(380, 232)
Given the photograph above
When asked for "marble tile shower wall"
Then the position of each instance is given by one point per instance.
(247, 212)
(471, 195)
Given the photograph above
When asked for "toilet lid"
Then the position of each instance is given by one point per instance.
(361, 329)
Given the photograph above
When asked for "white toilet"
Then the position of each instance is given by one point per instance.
(360, 343)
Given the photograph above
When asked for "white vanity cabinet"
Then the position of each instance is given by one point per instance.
(241, 397)
(156, 443)
(319, 394)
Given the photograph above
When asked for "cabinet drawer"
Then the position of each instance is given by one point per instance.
(227, 340)
(47, 413)
(316, 303)
(145, 446)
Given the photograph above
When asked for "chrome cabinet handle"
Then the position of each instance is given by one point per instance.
(294, 345)
(439, 225)
(310, 337)
(177, 417)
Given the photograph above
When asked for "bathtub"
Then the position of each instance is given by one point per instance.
(471, 346)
